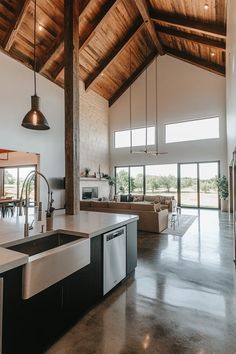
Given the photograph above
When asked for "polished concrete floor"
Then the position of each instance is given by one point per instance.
(182, 298)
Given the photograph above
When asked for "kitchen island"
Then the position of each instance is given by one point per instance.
(31, 324)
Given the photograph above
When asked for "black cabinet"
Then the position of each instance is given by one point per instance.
(131, 261)
(83, 289)
(30, 326)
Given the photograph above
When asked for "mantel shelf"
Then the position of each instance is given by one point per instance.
(93, 179)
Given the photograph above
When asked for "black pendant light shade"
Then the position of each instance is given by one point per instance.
(35, 119)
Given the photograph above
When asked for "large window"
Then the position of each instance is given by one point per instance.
(192, 184)
(161, 179)
(136, 180)
(122, 138)
(13, 178)
(192, 130)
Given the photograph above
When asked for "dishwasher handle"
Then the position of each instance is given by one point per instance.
(115, 234)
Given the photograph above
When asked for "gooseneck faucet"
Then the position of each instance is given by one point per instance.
(26, 185)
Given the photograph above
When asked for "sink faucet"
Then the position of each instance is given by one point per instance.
(26, 185)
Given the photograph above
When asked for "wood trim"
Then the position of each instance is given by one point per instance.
(144, 11)
(192, 37)
(72, 108)
(199, 62)
(16, 25)
(114, 54)
(132, 78)
(209, 29)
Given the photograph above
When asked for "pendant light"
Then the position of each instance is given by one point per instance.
(35, 119)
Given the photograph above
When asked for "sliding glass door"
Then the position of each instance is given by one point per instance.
(198, 187)
(208, 173)
(189, 185)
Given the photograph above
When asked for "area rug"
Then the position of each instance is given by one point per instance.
(185, 221)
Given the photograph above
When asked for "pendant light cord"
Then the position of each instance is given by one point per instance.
(35, 14)
(146, 103)
(130, 109)
(156, 113)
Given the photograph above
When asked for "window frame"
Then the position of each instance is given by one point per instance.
(128, 130)
(18, 179)
(187, 121)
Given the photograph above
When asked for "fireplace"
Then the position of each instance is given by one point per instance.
(89, 192)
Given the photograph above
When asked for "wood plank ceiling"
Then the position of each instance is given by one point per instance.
(113, 31)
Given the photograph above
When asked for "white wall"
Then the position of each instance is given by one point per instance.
(16, 88)
(231, 78)
(185, 92)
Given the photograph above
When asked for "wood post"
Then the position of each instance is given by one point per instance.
(72, 109)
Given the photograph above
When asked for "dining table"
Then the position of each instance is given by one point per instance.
(6, 203)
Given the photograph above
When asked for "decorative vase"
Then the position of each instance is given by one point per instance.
(224, 205)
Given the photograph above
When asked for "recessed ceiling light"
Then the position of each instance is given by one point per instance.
(213, 54)
(40, 28)
(102, 74)
(206, 6)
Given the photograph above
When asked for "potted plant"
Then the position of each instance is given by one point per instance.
(87, 170)
(111, 182)
(222, 184)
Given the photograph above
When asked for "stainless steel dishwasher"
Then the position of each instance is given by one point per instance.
(114, 261)
(1, 312)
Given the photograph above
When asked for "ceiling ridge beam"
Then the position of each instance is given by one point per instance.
(133, 77)
(199, 62)
(16, 25)
(115, 53)
(209, 29)
(210, 42)
(144, 11)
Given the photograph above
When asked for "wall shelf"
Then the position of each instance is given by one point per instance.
(93, 179)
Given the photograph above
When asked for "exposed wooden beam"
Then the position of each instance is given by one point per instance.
(209, 29)
(132, 78)
(58, 70)
(83, 42)
(144, 11)
(56, 48)
(16, 25)
(59, 43)
(209, 42)
(98, 22)
(115, 53)
(201, 63)
(72, 109)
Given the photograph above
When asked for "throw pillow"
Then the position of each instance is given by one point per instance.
(123, 198)
(157, 207)
(130, 198)
(137, 199)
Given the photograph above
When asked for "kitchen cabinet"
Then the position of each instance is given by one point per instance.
(131, 259)
(83, 289)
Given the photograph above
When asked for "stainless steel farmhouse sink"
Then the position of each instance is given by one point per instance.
(51, 258)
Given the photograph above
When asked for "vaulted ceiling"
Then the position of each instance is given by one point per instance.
(118, 38)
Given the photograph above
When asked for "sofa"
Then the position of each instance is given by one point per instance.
(166, 202)
(149, 220)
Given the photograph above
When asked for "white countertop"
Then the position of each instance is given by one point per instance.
(86, 224)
